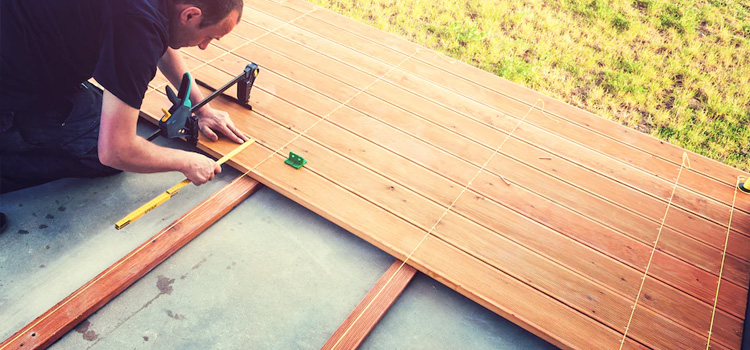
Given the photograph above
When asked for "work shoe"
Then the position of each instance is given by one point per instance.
(3, 222)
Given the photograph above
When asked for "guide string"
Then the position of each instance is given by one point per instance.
(721, 270)
(685, 159)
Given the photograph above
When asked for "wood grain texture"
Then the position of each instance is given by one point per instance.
(372, 308)
(639, 204)
(61, 318)
(535, 240)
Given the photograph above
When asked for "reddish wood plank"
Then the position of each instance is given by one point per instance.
(363, 319)
(612, 311)
(61, 318)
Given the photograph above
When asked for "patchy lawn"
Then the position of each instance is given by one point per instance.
(678, 70)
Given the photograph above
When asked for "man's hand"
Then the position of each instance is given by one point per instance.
(211, 121)
(200, 169)
(120, 147)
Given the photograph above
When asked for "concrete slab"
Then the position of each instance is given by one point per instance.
(269, 275)
(61, 234)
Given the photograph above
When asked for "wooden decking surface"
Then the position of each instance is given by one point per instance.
(556, 227)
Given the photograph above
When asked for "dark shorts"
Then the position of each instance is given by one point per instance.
(51, 140)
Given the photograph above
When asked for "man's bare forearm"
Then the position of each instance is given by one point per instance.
(120, 147)
(141, 156)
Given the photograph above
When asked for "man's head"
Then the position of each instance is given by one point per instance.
(197, 22)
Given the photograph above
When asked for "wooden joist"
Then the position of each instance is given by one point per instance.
(61, 318)
(372, 308)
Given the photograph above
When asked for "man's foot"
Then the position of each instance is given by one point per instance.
(3, 222)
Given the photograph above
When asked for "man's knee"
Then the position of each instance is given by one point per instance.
(55, 142)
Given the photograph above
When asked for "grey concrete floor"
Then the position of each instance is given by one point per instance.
(269, 275)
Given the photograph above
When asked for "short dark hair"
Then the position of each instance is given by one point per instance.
(214, 11)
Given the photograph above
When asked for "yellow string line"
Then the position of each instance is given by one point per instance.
(436, 223)
(721, 270)
(653, 249)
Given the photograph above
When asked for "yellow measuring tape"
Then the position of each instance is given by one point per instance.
(166, 195)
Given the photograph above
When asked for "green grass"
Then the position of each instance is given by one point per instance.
(678, 70)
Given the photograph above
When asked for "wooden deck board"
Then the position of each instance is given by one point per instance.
(350, 28)
(569, 238)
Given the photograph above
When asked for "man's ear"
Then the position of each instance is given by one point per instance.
(191, 16)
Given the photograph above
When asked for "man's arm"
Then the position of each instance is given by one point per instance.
(121, 148)
(210, 120)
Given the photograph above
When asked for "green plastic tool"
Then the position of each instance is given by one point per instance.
(295, 160)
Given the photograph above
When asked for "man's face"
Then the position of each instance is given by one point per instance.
(187, 31)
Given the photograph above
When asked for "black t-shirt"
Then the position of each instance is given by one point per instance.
(49, 47)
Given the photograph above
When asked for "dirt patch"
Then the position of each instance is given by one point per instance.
(174, 315)
(165, 284)
(88, 334)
